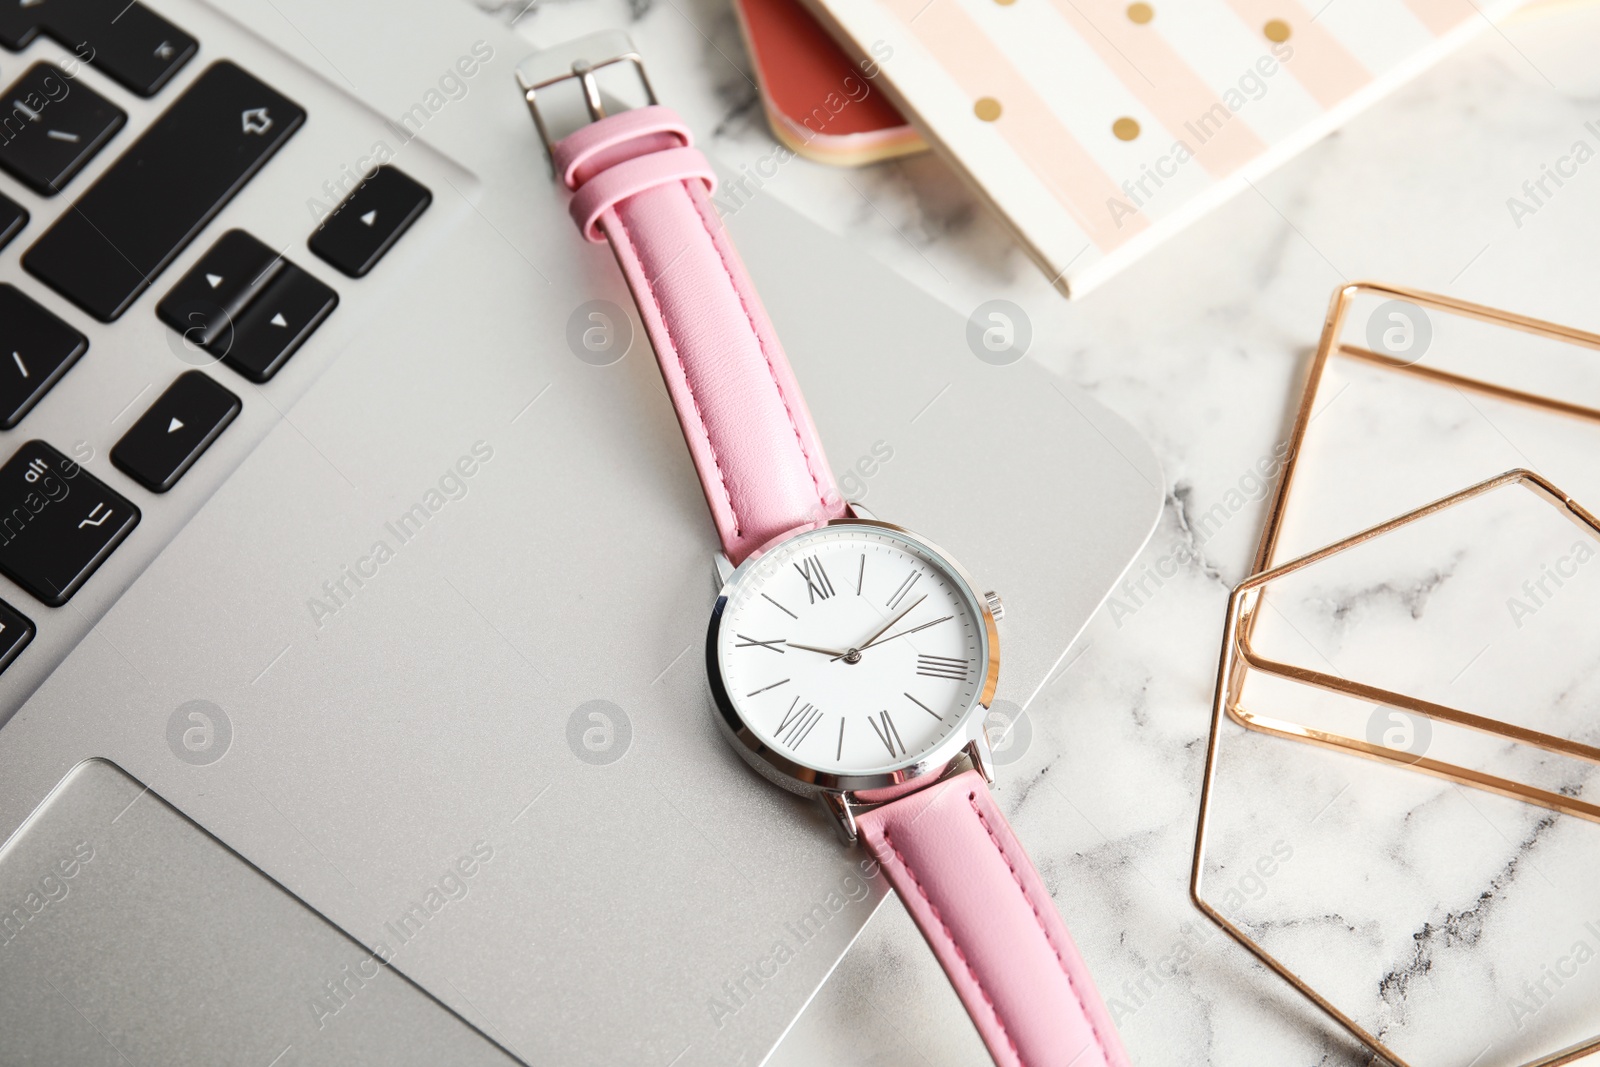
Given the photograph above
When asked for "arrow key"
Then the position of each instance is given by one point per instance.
(370, 221)
(54, 126)
(165, 442)
(277, 322)
(208, 300)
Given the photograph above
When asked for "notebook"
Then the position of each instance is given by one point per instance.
(1098, 128)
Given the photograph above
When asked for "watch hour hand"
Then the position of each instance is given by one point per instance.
(834, 652)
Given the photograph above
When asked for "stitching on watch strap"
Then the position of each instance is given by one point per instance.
(972, 799)
(950, 937)
(649, 286)
(761, 343)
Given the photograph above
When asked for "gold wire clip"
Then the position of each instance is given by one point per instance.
(1238, 657)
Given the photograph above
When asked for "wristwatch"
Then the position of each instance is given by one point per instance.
(851, 660)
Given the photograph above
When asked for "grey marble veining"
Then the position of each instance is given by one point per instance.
(1436, 915)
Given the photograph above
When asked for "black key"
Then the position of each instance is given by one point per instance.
(206, 302)
(180, 425)
(370, 221)
(13, 217)
(277, 322)
(131, 43)
(163, 190)
(16, 630)
(50, 126)
(58, 522)
(36, 349)
(247, 305)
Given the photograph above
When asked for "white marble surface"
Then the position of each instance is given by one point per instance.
(1424, 909)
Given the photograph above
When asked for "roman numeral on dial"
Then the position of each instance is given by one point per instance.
(942, 667)
(905, 587)
(756, 642)
(797, 723)
(883, 726)
(780, 607)
(818, 587)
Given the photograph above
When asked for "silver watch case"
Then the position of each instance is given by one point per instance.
(838, 791)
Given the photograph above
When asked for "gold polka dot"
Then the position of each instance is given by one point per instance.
(1140, 13)
(987, 109)
(1125, 128)
(1276, 30)
(1005, 3)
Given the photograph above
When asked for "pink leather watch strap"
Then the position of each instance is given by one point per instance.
(641, 185)
(978, 900)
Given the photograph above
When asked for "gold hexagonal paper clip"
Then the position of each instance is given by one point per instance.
(1330, 345)
(1238, 658)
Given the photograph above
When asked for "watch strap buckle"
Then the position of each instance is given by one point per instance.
(578, 60)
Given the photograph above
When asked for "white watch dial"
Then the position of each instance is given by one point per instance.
(852, 649)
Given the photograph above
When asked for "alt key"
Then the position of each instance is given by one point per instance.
(58, 522)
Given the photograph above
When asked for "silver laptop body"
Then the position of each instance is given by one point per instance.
(435, 603)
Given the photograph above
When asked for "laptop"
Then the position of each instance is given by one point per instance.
(353, 604)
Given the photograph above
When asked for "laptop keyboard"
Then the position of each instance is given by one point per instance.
(243, 304)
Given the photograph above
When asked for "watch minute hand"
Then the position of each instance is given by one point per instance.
(902, 633)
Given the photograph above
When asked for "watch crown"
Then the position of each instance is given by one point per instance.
(992, 600)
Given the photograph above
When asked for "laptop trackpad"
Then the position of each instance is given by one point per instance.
(130, 935)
